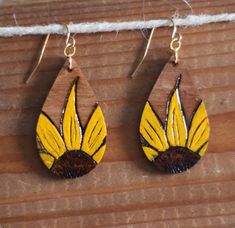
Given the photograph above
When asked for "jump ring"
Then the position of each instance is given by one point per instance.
(69, 50)
(175, 44)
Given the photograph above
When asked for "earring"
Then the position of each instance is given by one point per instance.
(71, 130)
(174, 145)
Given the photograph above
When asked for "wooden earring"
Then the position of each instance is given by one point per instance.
(175, 144)
(71, 130)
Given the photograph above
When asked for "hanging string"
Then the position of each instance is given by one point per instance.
(94, 27)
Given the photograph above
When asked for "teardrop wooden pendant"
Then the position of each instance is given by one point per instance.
(178, 143)
(71, 131)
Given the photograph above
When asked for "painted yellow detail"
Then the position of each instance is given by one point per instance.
(152, 130)
(150, 153)
(99, 154)
(50, 140)
(200, 136)
(203, 149)
(71, 126)
(176, 125)
(95, 132)
(199, 130)
(176, 132)
(47, 159)
(50, 137)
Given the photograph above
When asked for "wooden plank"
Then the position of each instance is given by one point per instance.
(124, 189)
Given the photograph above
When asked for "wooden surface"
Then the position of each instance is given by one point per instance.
(86, 101)
(164, 86)
(124, 190)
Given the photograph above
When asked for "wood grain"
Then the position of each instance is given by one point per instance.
(124, 190)
(165, 84)
(55, 102)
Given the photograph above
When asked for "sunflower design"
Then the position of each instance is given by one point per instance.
(171, 146)
(71, 151)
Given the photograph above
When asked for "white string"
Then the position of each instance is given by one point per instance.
(94, 27)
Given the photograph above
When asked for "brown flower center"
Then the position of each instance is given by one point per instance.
(176, 160)
(71, 164)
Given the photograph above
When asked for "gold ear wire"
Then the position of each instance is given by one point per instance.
(69, 51)
(175, 45)
(70, 48)
(145, 53)
(39, 59)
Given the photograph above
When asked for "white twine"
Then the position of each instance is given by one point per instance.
(94, 27)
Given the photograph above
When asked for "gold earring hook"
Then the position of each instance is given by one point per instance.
(69, 51)
(39, 59)
(174, 27)
(175, 45)
(70, 48)
(145, 53)
(67, 34)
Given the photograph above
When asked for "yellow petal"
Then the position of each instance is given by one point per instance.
(99, 154)
(95, 133)
(203, 149)
(71, 128)
(150, 153)
(199, 130)
(49, 136)
(176, 125)
(47, 159)
(151, 129)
